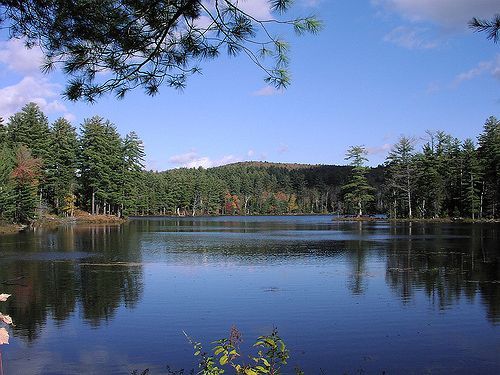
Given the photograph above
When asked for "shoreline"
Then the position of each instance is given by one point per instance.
(84, 218)
(444, 220)
(52, 221)
(80, 218)
(6, 228)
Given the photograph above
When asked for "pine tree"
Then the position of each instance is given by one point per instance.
(25, 176)
(489, 154)
(430, 182)
(30, 127)
(101, 161)
(358, 191)
(401, 169)
(146, 43)
(471, 179)
(133, 164)
(91, 163)
(3, 132)
(61, 169)
(7, 195)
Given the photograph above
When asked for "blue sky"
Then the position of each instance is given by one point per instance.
(379, 69)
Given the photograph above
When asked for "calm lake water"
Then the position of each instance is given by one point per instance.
(346, 297)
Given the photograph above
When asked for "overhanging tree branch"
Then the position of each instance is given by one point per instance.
(114, 46)
(490, 27)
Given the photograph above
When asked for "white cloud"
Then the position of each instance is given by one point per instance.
(33, 87)
(70, 117)
(491, 67)
(250, 153)
(227, 159)
(192, 159)
(18, 58)
(259, 9)
(30, 89)
(448, 13)
(377, 150)
(267, 91)
(410, 38)
(183, 158)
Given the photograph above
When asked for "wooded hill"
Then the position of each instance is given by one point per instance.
(249, 188)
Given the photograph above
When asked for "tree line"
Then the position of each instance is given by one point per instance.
(50, 168)
(53, 168)
(447, 178)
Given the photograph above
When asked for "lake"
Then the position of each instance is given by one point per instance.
(346, 297)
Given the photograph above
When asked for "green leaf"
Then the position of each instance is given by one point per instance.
(218, 350)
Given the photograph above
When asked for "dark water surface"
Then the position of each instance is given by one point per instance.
(346, 297)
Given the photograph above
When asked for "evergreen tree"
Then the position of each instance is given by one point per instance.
(3, 132)
(489, 154)
(401, 170)
(471, 179)
(25, 176)
(133, 164)
(30, 127)
(7, 195)
(61, 169)
(358, 192)
(100, 165)
(429, 180)
(448, 165)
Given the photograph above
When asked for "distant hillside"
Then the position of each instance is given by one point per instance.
(266, 164)
(311, 174)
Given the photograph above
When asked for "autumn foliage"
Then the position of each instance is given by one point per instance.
(27, 168)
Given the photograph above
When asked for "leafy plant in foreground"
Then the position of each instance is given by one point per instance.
(272, 354)
(4, 335)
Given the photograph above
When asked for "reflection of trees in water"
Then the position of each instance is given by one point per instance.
(46, 288)
(56, 287)
(357, 253)
(105, 288)
(448, 263)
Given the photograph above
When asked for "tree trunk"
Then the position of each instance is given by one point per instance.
(481, 202)
(408, 188)
(472, 196)
(93, 202)
(409, 204)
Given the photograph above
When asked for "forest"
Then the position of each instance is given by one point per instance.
(53, 168)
